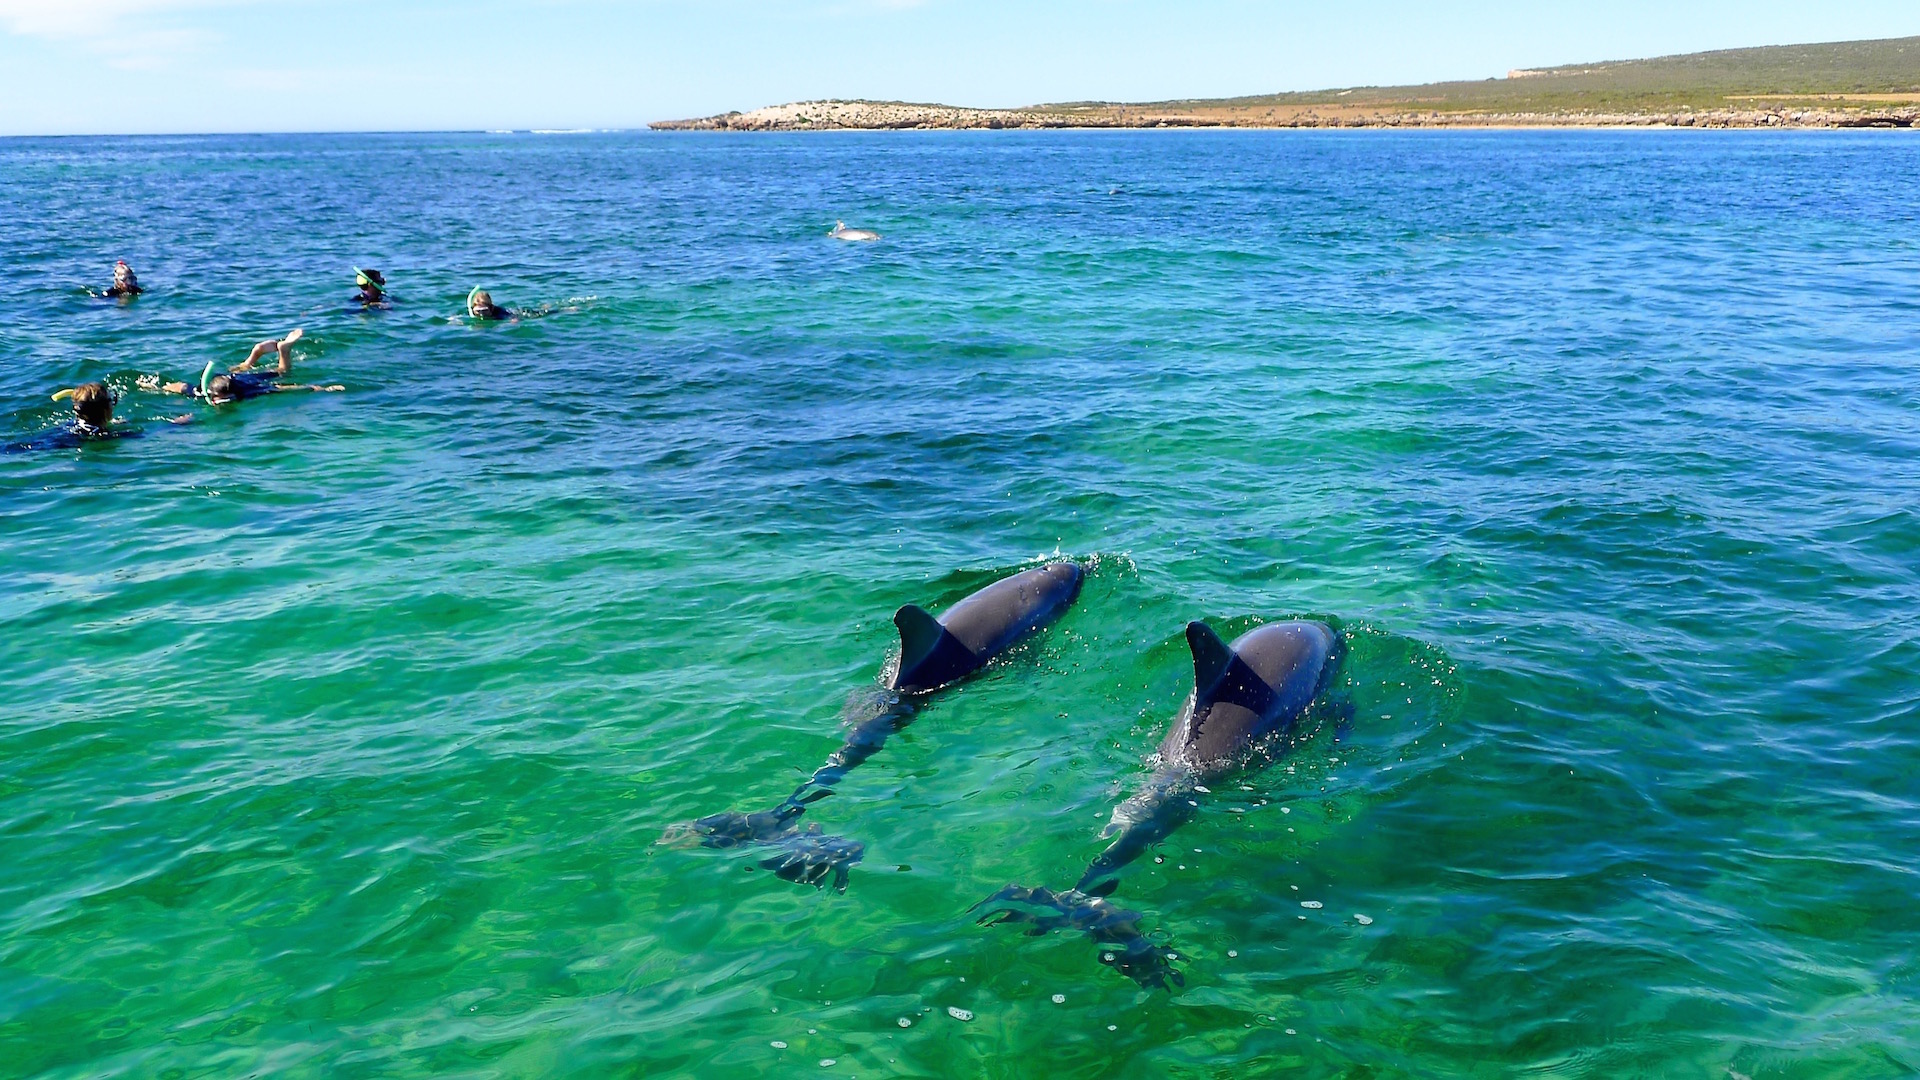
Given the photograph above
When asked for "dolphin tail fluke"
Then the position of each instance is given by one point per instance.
(806, 857)
(732, 828)
(810, 858)
(1123, 946)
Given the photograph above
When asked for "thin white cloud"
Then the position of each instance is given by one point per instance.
(132, 35)
(87, 18)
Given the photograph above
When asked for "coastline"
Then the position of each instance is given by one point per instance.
(837, 115)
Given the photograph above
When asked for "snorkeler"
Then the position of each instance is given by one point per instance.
(480, 305)
(124, 281)
(242, 381)
(373, 287)
(92, 405)
(92, 421)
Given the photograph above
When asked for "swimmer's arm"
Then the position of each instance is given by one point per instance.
(334, 389)
(152, 385)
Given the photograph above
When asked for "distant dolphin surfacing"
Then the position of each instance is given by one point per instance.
(1248, 701)
(841, 232)
(934, 654)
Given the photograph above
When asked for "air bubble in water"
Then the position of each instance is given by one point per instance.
(959, 1014)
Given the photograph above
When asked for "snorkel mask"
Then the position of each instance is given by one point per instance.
(478, 295)
(123, 274)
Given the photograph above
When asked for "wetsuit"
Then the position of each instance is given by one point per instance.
(72, 436)
(245, 384)
(129, 290)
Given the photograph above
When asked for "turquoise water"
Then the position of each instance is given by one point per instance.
(337, 731)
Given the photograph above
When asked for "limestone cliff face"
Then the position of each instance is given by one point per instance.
(858, 116)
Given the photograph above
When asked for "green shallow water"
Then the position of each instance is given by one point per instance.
(337, 731)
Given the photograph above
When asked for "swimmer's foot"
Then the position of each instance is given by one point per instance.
(292, 336)
(808, 858)
(1123, 946)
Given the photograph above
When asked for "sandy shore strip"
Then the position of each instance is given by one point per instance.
(835, 115)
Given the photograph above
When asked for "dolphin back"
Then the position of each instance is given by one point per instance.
(1244, 692)
(935, 652)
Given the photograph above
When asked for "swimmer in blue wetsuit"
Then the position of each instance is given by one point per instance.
(242, 381)
(92, 421)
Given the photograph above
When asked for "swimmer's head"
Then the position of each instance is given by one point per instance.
(371, 280)
(479, 302)
(123, 274)
(93, 404)
(219, 389)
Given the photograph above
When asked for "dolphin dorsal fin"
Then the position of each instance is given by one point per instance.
(1211, 657)
(920, 634)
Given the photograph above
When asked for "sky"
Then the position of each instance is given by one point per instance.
(191, 66)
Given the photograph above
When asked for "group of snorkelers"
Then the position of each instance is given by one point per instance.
(93, 402)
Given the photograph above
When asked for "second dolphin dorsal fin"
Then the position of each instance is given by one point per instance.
(920, 634)
(1211, 657)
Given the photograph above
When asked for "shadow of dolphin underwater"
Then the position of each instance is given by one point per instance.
(1248, 703)
(935, 653)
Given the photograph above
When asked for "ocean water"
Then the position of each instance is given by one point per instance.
(337, 731)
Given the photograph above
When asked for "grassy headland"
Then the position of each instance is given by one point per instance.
(1840, 84)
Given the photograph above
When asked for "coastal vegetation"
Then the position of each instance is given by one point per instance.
(1839, 84)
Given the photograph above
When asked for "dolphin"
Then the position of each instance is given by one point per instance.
(1249, 699)
(935, 653)
(841, 232)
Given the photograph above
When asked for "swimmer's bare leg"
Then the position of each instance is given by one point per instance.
(283, 346)
(254, 356)
(286, 350)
